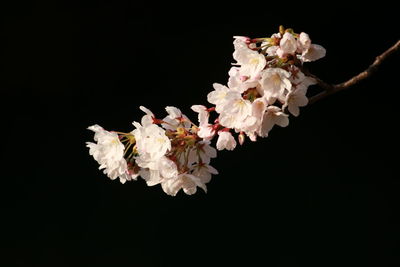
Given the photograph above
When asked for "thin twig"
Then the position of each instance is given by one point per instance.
(330, 89)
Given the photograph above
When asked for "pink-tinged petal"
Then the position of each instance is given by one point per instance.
(212, 170)
(315, 52)
(197, 182)
(282, 120)
(288, 84)
(171, 187)
(210, 151)
(273, 109)
(266, 125)
(301, 100)
(206, 132)
(272, 50)
(294, 110)
(258, 108)
(252, 137)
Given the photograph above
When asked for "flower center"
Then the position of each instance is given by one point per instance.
(276, 79)
(161, 140)
(254, 61)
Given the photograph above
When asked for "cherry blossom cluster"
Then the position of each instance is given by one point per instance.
(166, 152)
(265, 84)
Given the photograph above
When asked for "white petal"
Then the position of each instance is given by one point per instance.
(146, 110)
(203, 114)
(173, 112)
(304, 42)
(212, 170)
(266, 125)
(315, 52)
(282, 120)
(258, 108)
(294, 110)
(271, 51)
(95, 128)
(226, 141)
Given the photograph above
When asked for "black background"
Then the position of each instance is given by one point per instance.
(322, 192)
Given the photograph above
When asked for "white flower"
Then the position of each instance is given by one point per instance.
(225, 141)
(287, 45)
(185, 181)
(274, 115)
(151, 141)
(239, 82)
(258, 108)
(238, 107)
(313, 53)
(274, 82)
(158, 170)
(218, 96)
(251, 62)
(235, 112)
(205, 151)
(248, 125)
(108, 152)
(204, 172)
(294, 100)
(206, 130)
(175, 119)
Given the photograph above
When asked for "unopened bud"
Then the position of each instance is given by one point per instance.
(281, 30)
(241, 138)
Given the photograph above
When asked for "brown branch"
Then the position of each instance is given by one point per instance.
(330, 89)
